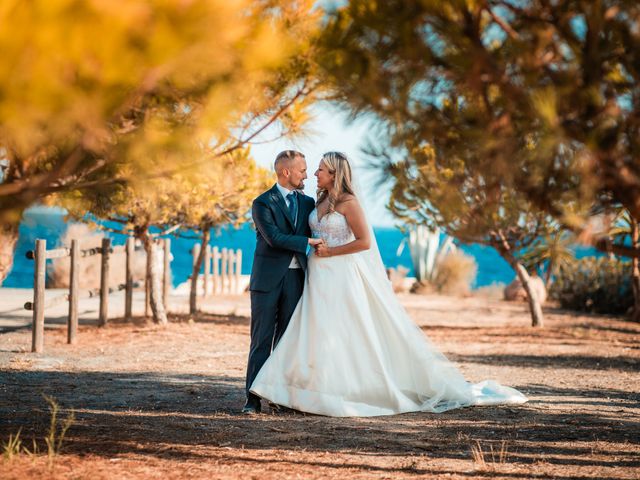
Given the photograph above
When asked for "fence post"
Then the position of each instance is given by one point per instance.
(128, 293)
(232, 275)
(147, 283)
(72, 325)
(207, 269)
(104, 282)
(37, 329)
(166, 279)
(215, 254)
(238, 270)
(223, 270)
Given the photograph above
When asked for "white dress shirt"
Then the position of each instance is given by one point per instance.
(284, 192)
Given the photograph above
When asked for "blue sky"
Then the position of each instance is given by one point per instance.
(332, 129)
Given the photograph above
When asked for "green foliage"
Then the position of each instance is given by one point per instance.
(222, 193)
(597, 285)
(496, 109)
(440, 142)
(621, 226)
(550, 252)
(219, 193)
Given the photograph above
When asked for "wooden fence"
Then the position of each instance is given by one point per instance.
(40, 255)
(222, 270)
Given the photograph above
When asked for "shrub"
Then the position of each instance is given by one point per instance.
(456, 273)
(495, 291)
(597, 285)
(60, 268)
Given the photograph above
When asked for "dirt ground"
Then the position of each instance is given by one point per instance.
(155, 402)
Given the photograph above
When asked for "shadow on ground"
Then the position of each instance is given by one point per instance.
(167, 415)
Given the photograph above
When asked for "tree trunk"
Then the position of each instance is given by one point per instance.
(547, 275)
(635, 270)
(193, 294)
(157, 307)
(503, 247)
(8, 241)
(537, 319)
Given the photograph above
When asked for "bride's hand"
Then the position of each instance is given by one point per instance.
(314, 242)
(322, 250)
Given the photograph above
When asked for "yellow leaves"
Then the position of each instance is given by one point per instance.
(618, 75)
(545, 103)
(529, 142)
(142, 89)
(426, 151)
(294, 119)
(223, 190)
(493, 92)
(70, 65)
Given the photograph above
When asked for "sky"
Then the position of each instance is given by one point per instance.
(331, 129)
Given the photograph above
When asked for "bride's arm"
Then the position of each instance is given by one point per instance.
(358, 224)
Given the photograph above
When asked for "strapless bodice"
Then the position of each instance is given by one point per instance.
(332, 228)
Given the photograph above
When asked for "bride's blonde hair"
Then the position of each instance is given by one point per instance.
(338, 165)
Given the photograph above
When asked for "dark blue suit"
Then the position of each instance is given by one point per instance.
(275, 288)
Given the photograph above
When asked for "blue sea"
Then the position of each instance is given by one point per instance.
(50, 224)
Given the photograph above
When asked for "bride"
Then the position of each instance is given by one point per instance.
(350, 349)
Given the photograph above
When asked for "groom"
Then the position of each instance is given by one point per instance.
(277, 276)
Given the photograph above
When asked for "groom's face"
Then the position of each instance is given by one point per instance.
(297, 173)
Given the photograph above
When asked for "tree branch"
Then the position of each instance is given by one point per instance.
(605, 245)
(503, 24)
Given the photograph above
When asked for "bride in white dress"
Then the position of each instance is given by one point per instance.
(350, 349)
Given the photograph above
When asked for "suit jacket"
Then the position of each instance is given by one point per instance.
(278, 238)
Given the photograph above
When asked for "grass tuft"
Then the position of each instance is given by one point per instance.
(490, 458)
(57, 431)
(12, 447)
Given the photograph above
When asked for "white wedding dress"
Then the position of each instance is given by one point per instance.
(351, 350)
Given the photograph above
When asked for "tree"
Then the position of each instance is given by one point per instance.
(550, 91)
(550, 252)
(625, 227)
(452, 193)
(220, 196)
(139, 212)
(159, 76)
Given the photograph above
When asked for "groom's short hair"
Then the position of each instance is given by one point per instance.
(285, 157)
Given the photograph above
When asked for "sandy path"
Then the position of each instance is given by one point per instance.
(163, 402)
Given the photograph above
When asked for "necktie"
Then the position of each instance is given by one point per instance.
(293, 206)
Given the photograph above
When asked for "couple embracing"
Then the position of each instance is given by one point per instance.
(328, 335)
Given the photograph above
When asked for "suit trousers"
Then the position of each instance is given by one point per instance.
(270, 315)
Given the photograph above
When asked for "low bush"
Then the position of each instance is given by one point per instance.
(60, 268)
(596, 285)
(456, 273)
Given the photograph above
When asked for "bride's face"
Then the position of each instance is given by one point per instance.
(325, 178)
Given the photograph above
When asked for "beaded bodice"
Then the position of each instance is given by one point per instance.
(332, 228)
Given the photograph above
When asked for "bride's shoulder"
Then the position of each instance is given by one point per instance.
(347, 197)
(346, 203)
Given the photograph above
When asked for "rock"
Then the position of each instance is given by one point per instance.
(515, 292)
(397, 277)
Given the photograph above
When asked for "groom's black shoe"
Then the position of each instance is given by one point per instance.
(252, 406)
